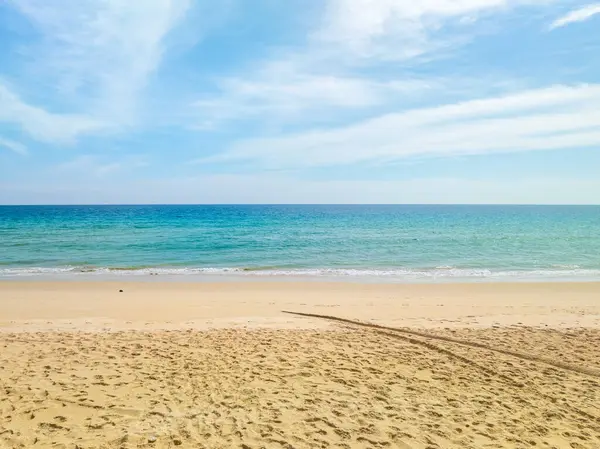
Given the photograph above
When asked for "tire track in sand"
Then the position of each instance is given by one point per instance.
(408, 336)
(521, 355)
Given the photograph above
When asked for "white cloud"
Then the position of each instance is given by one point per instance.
(559, 117)
(289, 94)
(15, 147)
(96, 55)
(43, 125)
(89, 165)
(309, 83)
(577, 15)
(400, 29)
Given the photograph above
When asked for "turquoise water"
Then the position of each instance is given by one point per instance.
(398, 243)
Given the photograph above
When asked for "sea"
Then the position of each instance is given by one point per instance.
(378, 243)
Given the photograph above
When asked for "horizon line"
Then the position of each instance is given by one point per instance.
(295, 204)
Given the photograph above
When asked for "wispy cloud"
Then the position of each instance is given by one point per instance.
(324, 75)
(577, 15)
(41, 124)
(102, 50)
(14, 146)
(93, 57)
(87, 165)
(290, 95)
(393, 29)
(559, 117)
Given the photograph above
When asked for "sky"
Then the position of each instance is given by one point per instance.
(299, 101)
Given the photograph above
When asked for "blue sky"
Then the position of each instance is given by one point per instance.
(299, 101)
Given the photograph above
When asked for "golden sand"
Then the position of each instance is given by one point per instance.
(220, 366)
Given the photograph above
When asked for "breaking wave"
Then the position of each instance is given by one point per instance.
(572, 272)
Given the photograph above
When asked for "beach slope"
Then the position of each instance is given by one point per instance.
(220, 365)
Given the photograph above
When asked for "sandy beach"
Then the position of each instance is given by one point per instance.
(210, 365)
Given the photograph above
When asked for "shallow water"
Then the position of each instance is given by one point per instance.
(395, 243)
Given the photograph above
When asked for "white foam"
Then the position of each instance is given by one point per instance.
(78, 270)
(396, 274)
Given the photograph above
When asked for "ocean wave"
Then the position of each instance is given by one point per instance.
(399, 274)
(117, 271)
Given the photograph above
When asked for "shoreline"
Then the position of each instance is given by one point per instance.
(260, 277)
(99, 305)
